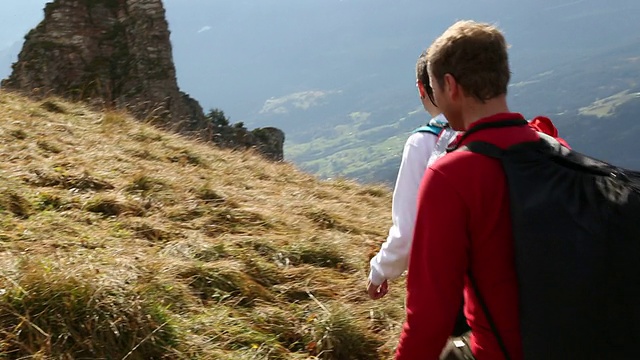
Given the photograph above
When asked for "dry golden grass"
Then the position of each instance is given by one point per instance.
(121, 241)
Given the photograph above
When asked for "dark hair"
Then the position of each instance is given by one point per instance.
(422, 75)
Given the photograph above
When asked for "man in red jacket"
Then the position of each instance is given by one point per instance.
(463, 223)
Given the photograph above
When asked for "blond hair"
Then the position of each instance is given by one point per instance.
(475, 54)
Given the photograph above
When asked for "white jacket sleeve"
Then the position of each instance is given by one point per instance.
(392, 259)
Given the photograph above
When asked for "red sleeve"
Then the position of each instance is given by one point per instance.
(437, 268)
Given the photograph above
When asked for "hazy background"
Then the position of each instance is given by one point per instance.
(338, 75)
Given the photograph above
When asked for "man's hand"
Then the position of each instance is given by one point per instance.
(377, 292)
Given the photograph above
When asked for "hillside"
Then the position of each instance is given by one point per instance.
(121, 241)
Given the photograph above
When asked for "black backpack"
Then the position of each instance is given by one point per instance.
(576, 225)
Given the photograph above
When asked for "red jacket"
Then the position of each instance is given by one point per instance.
(463, 223)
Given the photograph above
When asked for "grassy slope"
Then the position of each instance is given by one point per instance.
(121, 241)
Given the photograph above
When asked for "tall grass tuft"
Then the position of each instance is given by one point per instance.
(46, 311)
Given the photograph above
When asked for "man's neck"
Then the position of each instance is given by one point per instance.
(476, 110)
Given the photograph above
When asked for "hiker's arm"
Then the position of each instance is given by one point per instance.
(391, 260)
(437, 267)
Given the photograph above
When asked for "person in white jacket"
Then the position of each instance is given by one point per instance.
(392, 259)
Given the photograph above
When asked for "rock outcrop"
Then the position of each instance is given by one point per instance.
(267, 140)
(117, 53)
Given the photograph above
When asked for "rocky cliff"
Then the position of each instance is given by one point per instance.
(117, 53)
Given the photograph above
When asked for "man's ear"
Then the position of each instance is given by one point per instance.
(451, 86)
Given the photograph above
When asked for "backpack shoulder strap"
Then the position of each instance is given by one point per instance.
(488, 125)
(546, 142)
(435, 126)
(432, 129)
(484, 148)
(485, 309)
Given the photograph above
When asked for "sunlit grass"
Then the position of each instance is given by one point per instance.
(121, 241)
